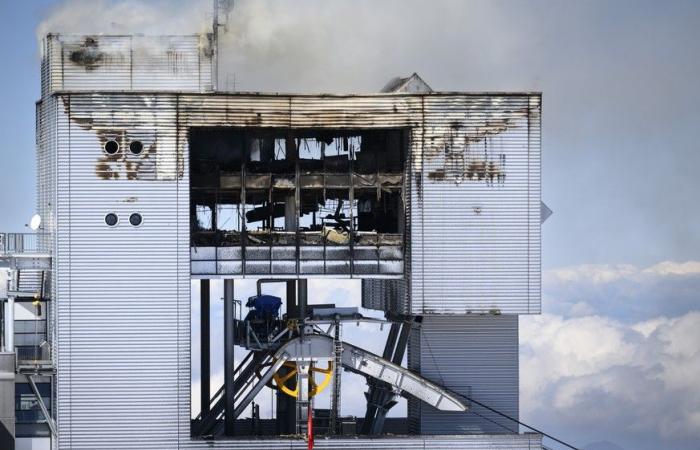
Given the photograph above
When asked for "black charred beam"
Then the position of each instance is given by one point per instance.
(229, 364)
(205, 363)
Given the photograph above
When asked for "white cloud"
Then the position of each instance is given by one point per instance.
(608, 273)
(674, 268)
(625, 292)
(600, 374)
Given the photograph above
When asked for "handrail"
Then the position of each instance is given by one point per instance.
(22, 243)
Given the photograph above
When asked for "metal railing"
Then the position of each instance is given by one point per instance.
(33, 353)
(21, 243)
(31, 344)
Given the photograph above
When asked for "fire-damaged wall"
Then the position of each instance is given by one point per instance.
(123, 223)
(469, 238)
(475, 207)
(128, 62)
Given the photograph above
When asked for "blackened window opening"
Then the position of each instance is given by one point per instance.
(263, 187)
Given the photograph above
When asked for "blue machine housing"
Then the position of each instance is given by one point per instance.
(266, 306)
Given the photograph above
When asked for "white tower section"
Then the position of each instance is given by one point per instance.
(114, 127)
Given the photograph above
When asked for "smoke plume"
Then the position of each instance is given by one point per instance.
(307, 46)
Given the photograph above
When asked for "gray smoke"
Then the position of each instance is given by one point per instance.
(153, 17)
(333, 46)
(312, 45)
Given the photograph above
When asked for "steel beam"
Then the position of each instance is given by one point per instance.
(9, 321)
(381, 396)
(337, 363)
(292, 312)
(377, 393)
(246, 371)
(286, 413)
(264, 379)
(229, 362)
(204, 330)
(302, 297)
(49, 420)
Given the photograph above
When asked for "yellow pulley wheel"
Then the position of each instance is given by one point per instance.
(314, 388)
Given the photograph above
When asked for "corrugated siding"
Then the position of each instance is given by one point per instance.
(123, 63)
(475, 230)
(121, 289)
(46, 170)
(472, 355)
(51, 67)
(385, 295)
(123, 306)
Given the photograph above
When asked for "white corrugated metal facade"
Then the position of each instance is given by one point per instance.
(118, 288)
(385, 295)
(476, 356)
(125, 63)
(475, 206)
(122, 293)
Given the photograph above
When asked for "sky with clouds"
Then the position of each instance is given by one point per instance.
(614, 358)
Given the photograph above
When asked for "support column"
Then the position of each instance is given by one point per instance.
(304, 403)
(229, 362)
(337, 363)
(10, 325)
(290, 213)
(286, 413)
(292, 311)
(302, 297)
(380, 396)
(204, 330)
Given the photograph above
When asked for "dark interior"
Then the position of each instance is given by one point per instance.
(260, 186)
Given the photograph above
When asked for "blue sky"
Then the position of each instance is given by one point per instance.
(620, 162)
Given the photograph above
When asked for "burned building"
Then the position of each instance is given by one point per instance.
(149, 178)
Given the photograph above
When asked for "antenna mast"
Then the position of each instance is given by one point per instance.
(221, 8)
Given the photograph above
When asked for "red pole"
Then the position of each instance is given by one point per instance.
(310, 427)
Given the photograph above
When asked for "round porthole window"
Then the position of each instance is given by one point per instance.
(111, 147)
(111, 219)
(135, 219)
(136, 147)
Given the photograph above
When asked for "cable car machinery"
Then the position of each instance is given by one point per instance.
(293, 354)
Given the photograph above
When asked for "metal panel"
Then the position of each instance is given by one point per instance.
(385, 295)
(122, 63)
(475, 356)
(121, 316)
(7, 401)
(46, 170)
(475, 228)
